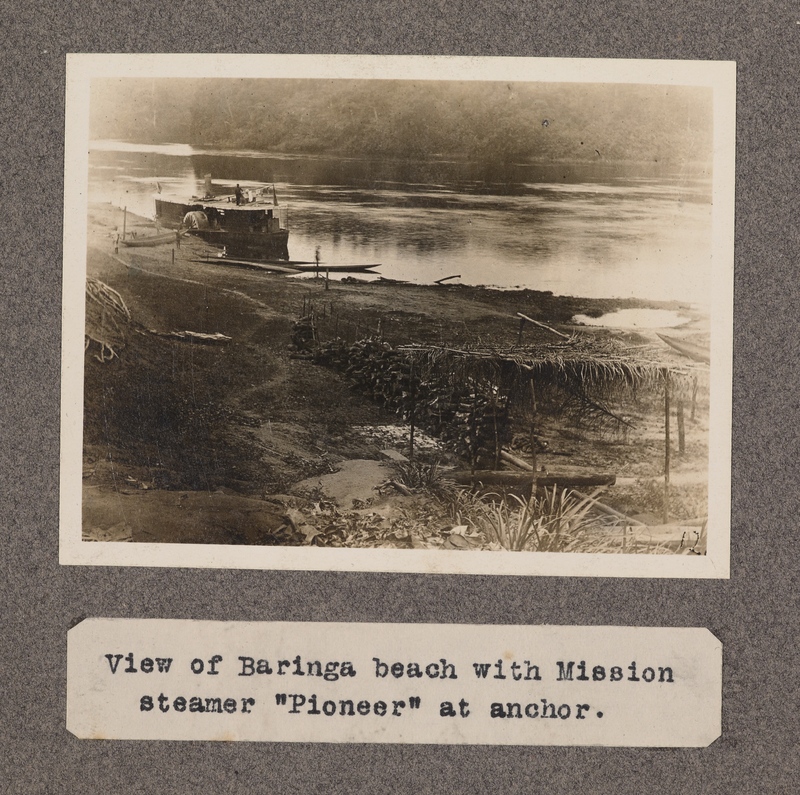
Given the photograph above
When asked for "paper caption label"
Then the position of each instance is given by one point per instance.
(148, 679)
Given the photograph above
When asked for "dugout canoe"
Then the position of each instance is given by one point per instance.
(153, 240)
(301, 266)
(690, 349)
(313, 268)
(243, 263)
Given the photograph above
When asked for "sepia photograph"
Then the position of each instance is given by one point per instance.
(398, 314)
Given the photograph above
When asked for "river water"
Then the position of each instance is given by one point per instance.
(595, 230)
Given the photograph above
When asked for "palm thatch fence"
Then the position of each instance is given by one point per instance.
(468, 395)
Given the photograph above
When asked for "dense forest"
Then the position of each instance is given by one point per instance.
(487, 121)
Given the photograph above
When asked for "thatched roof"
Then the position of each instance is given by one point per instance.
(591, 369)
(588, 358)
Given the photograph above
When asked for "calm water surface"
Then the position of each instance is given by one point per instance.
(577, 229)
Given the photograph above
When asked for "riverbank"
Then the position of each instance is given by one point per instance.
(172, 422)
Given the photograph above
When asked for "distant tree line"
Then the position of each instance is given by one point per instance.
(484, 121)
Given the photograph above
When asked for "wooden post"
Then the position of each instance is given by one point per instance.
(413, 395)
(124, 220)
(473, 450)
(173, 256)
(533, 438)
(327, 278)
(681, 427)
(666, 445)
(496, 436)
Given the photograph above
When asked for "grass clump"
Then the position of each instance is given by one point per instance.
(424, 477)
(550, 523)
(557, 521)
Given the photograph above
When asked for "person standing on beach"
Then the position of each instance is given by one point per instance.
(238, 193)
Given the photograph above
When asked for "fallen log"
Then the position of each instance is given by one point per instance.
(494, 477)
(447, 279)
(517, 462)
(610, 511)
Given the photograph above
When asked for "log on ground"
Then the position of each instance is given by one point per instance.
(493, 477)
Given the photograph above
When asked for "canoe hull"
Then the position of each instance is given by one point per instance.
(153, 240)
(335, 268)
(301, 267)
(689, 349)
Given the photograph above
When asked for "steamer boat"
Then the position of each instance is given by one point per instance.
(247, 224)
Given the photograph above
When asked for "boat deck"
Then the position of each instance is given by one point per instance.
(226, 202)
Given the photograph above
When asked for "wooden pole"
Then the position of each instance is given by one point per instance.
(629, 522)
(497, 450)
(413, 396)
(542, 325)
(473, 451)
(124, 220)
(533, 438)
(681, 427)
(666, 445)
